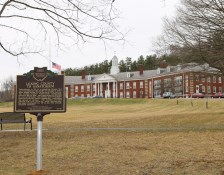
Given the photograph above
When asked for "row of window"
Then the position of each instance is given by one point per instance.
(168, 82)
(157, 93)
(209, 89)
(207, 79)
(128, 95)
(134, 85)
(87, 88)
(178, 80)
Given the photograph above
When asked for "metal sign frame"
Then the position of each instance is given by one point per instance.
(40, 91)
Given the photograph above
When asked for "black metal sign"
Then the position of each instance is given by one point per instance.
(40, 91)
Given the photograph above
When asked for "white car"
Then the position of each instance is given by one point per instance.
(169, 95)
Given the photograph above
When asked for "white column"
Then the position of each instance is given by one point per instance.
(113, 89)
(98, 89)
(95, 89)
(108, 89)
(101, 89)
(116, 89)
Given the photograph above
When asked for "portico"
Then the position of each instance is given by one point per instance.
(106, 86)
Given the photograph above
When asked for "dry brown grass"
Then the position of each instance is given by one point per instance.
(146, 137)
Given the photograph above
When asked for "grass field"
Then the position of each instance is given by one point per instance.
(121, 137)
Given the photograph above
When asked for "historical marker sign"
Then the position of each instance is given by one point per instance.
(40, 91)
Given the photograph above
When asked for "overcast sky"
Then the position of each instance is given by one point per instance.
(142, 17)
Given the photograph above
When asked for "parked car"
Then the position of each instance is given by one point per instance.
(98, 96)
(197, 95)
(218, 95)
(169, 95)
(76, 97)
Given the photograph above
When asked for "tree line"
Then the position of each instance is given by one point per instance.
(196, 33)
(6, 93)
(149, 62)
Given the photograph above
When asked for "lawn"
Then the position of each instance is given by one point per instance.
(122, 137)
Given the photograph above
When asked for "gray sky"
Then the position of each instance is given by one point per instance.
(142, 17)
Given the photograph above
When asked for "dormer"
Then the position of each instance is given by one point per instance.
(89, 78)
(206, 65)
(178, 67)
(158, 71)
(168, 69)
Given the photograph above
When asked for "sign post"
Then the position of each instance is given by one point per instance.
(40, 92)
(39, 141)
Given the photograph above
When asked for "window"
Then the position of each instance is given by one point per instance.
(134, 94)
(208, 79)
(134, 85)
(66, 90)
(157, 83)
(141, 84)
(178, 80)
(220, 80)
(82, 88)
(203, 88)
(177, 90)
(186, 86)
(141, 94)
(88, 88)
(157, 93)
(197, 77)
(214, 89)
(121, 95)
(220, 89)
(94, 87)
(121, 86)
(203, 79)
(214, 79)
(127, 85)
(76, 88)
(167, 82)
(150, 88)
(209, 89)
(127, 94)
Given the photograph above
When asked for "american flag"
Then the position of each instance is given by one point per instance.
(56, 66)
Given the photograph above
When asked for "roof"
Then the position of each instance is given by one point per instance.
(147, 74)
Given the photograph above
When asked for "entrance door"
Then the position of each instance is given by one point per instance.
(107, 93)
(197, 88)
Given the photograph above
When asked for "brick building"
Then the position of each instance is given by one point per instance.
(182, 80)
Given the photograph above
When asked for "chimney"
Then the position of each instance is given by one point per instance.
(141, 69)
(83, 74)
(163, 64)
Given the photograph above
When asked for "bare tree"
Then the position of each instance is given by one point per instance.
(196, 33)
(6, 92)
(25, 24)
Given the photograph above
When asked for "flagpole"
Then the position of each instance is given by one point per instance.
(49, 54)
